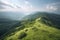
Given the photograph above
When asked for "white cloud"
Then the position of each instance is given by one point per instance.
(15, 6)
(25, 7)
(8, 3)
(6, 7)
(51, 8)
(26, 2)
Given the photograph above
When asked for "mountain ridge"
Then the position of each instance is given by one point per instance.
(35, 27)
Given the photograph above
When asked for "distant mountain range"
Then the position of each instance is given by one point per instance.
(11, 15)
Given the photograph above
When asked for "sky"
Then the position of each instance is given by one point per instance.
(30, 5)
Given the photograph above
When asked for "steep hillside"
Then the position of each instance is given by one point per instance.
(38, 26)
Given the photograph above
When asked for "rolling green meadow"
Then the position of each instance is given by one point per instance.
(37, 26)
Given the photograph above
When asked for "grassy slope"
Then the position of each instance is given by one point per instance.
(35, 30)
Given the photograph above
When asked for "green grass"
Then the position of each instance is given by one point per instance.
(35, 30)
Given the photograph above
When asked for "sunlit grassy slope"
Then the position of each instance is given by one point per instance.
(39, 28)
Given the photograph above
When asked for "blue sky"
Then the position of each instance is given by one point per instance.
(30, 5)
